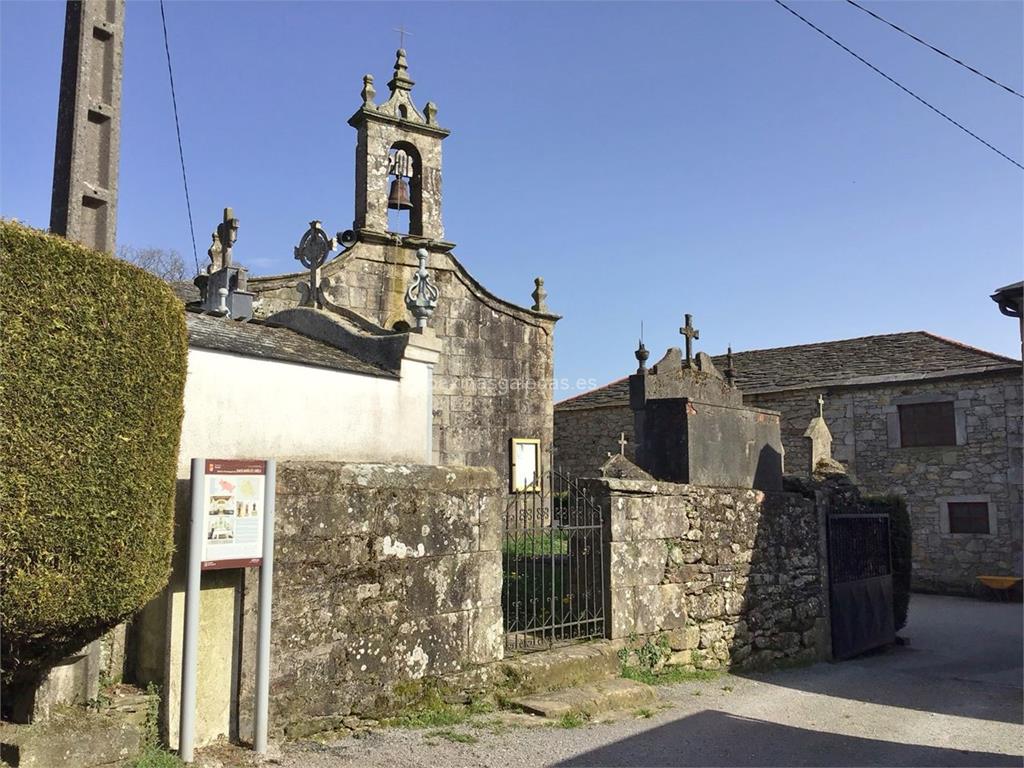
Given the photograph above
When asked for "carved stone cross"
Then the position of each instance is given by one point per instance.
(622, 443)
(821, 407)
(312, 251)
(690, 333)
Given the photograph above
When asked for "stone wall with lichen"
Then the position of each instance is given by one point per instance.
(383, 575)
(986, 465)
(732, 577)
(494, 379)
(585, 437)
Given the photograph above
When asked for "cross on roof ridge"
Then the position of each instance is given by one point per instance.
(690, 333)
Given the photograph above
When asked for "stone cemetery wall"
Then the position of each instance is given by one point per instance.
(987, 465)
(732, 576)
(585, 437)
(494, 379)
(383, 575)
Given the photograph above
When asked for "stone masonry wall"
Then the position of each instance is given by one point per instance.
(493, 381)
(733, 577)
(987, 464)
(383, 575)
(584, 438)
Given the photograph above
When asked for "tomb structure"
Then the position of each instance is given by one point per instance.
(691, 426)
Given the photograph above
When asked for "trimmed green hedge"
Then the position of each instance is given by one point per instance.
(901, 541)
(92, 373)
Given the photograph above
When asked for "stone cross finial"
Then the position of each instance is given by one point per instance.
(821, 406)
(421, 298)
(622, 443)
(312, 251)
(539, 295)
(227, 234)
(690, 333)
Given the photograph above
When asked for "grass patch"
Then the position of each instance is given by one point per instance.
(528, 544)
(573, 720)
(434, 712)
(451, 735)
(493, 725)
(645, 713)
(668, 675)
(156, 757)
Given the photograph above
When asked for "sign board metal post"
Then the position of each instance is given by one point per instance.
(186, 725)
(265, 600)
(231, 525)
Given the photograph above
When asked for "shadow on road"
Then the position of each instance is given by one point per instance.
(713, 738)
(965, 659)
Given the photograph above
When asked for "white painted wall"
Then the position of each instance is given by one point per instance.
(243, 407)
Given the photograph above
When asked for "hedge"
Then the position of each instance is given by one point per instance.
(901, 542)
(92, 373)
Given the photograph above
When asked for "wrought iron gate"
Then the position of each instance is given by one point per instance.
(554, 564)
(860, 583)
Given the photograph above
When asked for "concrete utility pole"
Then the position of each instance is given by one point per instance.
(84, 204)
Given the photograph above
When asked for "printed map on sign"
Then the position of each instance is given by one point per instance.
(233, 514)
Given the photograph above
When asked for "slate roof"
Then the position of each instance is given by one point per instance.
(866, 360)
(185, 290)
(255, 339)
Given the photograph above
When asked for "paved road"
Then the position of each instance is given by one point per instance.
(950, 698)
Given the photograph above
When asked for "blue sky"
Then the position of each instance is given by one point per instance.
(648, 159)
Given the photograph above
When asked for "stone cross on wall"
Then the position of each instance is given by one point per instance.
(690, 333)
(622, 443)
(312, 251)
(819, 439)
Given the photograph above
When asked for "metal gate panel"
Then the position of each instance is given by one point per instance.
(553, 558)
(860, 583)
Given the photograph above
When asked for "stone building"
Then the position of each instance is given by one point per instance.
(493, 381)
(910, 413)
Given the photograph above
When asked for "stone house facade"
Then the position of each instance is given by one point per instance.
(958, 466)
(493, 381)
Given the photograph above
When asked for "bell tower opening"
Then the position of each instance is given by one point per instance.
(398, 162)
(404, 189)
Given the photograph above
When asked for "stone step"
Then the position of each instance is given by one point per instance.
(564, 666)
(591, 699)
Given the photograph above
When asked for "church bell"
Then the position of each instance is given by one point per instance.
(398, 197)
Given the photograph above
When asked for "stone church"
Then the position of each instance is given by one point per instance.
(931, 419)
(493, 381)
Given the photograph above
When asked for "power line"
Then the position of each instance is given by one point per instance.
(937, 50)
(177, 128)
(903, 88)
